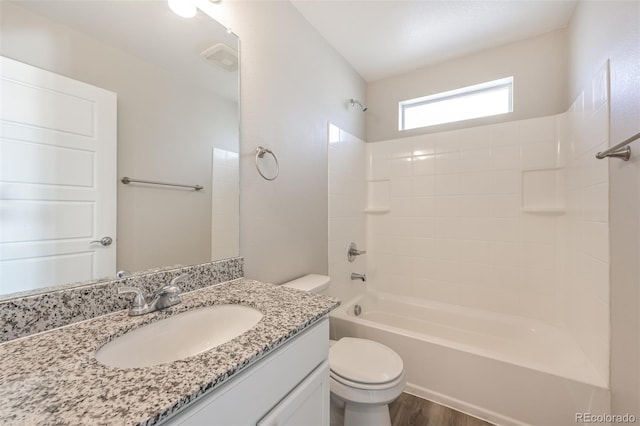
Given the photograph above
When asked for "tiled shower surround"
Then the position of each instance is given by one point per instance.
(456, 231)
(583, 258)
(347, 201)
(510, 218)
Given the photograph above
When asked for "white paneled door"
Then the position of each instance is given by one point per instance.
(57, 179)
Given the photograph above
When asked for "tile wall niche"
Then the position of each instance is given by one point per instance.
(347, 200)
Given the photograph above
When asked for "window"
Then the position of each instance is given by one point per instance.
(481, 100)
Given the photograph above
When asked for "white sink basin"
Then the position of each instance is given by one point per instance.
(178, 337)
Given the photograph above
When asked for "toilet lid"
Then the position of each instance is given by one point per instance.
(364, 361)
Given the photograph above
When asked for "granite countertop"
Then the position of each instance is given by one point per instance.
(53, 377)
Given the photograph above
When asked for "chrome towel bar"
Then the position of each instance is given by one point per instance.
(128, 180)
(621, 150)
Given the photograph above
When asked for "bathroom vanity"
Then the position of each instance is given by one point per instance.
(287, 387)
(274, 373)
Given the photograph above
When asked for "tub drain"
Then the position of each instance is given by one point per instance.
(357, 310)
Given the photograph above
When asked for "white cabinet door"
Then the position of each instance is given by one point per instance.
(258, 388)
(57, 178)
(306, 405)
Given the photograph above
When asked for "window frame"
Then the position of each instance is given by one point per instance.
(475, 89)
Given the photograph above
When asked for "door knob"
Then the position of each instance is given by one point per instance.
(105, 241)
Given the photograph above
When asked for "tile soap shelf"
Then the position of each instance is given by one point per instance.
(378, 197)
(544, 210)
(377, 210)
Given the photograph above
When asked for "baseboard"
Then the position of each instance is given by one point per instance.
(463, 407)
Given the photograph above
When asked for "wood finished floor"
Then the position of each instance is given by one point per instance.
(409, 410)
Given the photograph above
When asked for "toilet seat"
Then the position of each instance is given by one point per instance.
(366, 386)
(384, 394)
(364, 364)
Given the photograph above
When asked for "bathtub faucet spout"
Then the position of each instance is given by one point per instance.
(362, 277)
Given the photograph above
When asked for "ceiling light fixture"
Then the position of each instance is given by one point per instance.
(183, 8)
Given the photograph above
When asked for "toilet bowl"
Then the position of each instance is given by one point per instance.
(365, 376)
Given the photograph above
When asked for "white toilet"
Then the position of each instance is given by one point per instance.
(365, 375)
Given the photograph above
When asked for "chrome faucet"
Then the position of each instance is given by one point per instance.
(362, 277)
(162, 298)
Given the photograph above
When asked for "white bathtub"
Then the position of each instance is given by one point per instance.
(505, 369)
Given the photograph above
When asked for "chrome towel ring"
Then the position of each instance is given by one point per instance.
(260, 152)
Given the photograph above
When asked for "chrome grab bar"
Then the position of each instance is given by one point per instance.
(621, 150)
(127, 180)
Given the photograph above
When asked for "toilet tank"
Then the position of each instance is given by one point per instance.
(312, 283)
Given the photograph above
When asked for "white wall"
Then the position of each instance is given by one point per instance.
(166, 129)
(347, 221)
(293, 82)
(599, 31)
(538, 64)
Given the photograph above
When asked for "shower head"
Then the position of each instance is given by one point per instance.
(353, 103)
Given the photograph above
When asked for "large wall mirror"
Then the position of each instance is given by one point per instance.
(174, 84)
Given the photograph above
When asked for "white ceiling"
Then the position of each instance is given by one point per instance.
(381, 38)
(150, 31)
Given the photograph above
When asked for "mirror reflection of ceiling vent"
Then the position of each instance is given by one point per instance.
(221, 55)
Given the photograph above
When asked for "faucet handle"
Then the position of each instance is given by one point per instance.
(139, 304)
(167, 289)
(178, 279)
(139, 299)
(171, 288)
(353, 251)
